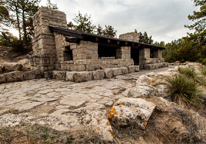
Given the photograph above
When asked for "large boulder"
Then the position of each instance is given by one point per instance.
(12, 66)
(131, 111)
(142, 90)
(98, 122)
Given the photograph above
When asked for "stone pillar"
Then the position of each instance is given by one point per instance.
(123, 52)
(144, 54)
(158, 53)
(43, 43)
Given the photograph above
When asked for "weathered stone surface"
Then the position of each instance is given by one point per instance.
(117, 71)
(124, 70)
(82, 76)
(2, 79)
(142, 90)
(74, 99)
(131, 69)
(12, 67)
(48, 74)
(70, 76)
(136, 68)
(108, 72)
(14, 76)
(29, 75)
(98, 75)
(130, 111)
(98, 122)
(144, 79)
(60, 75)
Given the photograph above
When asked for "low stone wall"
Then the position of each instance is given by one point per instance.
(20, 76)
(83, 76)
(75, 76)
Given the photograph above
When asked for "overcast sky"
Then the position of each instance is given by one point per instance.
(163, 19)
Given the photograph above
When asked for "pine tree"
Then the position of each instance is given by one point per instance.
(199, 17)
(84, 23)
(22, 19)
(109, 31)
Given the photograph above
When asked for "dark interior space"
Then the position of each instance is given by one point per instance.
(68, 54)
(152, 53)
(135, 55)
(106, 51)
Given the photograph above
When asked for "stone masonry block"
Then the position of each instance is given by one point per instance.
(136, 68)
(82, 76)
(29, 75)
(98, 75)
(59, 75)
(14, 76)
(108, 73)
(117, 71)
(2, 79)
(48, 74)
(124, 70)
(70, 76)
(131, 69)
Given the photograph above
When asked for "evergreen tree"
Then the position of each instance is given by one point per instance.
(109, 31)
(199, 17)
(144, 38)
(4, 15)
(84, 23)
(22, 19)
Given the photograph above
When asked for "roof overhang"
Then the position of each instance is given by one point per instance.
(76, 36)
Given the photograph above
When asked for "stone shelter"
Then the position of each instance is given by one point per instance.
(76, 56)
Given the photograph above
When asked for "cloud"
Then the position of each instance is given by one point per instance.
(163, 19)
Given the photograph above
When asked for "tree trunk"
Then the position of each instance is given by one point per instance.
(18, 24)
(24, 29)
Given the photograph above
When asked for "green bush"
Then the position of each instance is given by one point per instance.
(204, 71)
(183, 90)
(188, 71)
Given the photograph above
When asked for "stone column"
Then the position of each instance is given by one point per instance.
(123, 52)
(144, 54)
(158, 53)
(43, 43)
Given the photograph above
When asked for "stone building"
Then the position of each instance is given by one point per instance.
(61, 53)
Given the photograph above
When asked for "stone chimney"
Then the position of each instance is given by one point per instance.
(43, 43)
(132, 36)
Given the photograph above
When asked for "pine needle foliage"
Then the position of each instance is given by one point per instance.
(188, 71)
(183, 90)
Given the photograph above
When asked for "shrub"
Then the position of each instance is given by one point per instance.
(188, 71)
(204, 71)
(183, 90)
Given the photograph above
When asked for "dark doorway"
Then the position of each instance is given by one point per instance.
(135, 55)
